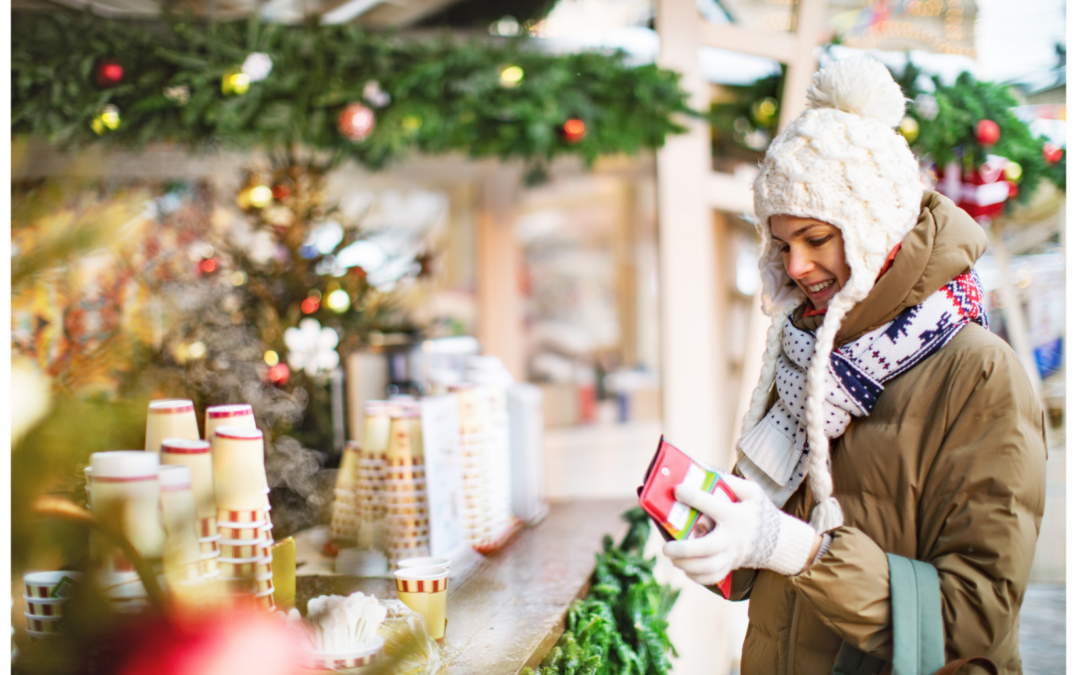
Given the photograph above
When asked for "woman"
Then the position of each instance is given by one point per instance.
(878, 342)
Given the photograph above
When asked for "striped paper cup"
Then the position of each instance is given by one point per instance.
(355, 657)
(45, 606)
(44, 624)
(50, 584)
(36, 636)
(248, 516)
(208, 527)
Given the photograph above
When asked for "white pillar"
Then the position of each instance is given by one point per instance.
(690, 340)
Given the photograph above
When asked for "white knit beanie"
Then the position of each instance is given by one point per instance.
(842, 162)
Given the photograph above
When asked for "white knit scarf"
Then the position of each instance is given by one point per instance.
(775, 452)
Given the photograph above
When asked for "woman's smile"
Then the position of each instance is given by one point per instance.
(813, 255)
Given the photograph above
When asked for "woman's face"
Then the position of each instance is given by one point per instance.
(813, 253)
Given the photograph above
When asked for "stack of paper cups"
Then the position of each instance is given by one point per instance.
(195, 455)
(127, 493)
(170, 418)
(475, 465)
(345, 519)
(232, 415)
(493, 402)
(370, 473)
(405, 493)
(246, 573)
(182, 556)
(243, 515)
(46, 595)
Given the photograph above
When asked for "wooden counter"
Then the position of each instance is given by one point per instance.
(507, 610)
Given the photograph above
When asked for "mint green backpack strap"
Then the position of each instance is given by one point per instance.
(918, 635)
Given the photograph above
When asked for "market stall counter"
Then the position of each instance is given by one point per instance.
(504, 610)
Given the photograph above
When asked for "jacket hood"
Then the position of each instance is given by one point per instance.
(944, 243)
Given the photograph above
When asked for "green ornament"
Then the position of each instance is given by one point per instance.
(1013, 172)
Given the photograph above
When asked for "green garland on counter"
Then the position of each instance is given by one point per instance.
(78, 79)
(621, 625)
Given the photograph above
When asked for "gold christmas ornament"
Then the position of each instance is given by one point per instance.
(909, 128)
(235, 82)
(511, 76)
(1013, 172)
(107, 120)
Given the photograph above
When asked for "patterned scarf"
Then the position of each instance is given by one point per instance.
(775, 452)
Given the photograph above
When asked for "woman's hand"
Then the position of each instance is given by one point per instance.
(750, 533)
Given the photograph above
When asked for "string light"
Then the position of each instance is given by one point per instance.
(261, 196)
(511, 76)
(338, 301)
(271, 358)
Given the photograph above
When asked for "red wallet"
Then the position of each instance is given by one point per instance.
(671, 467)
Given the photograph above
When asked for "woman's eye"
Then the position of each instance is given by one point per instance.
(819, 242)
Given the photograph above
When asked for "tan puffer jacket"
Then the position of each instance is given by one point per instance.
(949, 468)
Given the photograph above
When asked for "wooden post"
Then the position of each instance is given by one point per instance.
(501, 328)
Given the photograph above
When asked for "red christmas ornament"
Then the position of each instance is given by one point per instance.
(356, 122)
(987, 132)
(208, 266)
(1052, 153)
(280, 192)
(574, 130)
(278, 374)
(109, 73)
(309, 305)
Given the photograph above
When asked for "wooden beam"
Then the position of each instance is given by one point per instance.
(779, 46)
(801, 64)
(502, 329)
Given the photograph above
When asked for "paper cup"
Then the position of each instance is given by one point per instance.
(45, 606)
(243, 516)
(234, 415)
(239, 471)
(423, 589)
(44, 624)
(170, 418)
(195, 455)
(125, 485)
(210, 545)
(50, 584)
(356, 657)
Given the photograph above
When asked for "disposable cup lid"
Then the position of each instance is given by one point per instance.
(124, 464)
(171, 405)
(183, 446)
(174, 476)
(45, 601)
(231, 410)
(238, 433)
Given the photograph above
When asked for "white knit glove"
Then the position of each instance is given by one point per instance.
(751, 533)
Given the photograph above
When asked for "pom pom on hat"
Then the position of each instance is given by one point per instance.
(862, 86)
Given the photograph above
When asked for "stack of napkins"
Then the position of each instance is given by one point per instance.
(336, 623)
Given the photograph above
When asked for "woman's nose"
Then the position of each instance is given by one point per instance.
(798, 264)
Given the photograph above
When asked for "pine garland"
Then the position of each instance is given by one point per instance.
(621, 625)
(444, 96)
(949, 135)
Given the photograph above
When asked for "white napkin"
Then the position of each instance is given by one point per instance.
(336, 623)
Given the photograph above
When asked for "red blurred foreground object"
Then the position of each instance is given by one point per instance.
(227, 643)
(278, 374)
